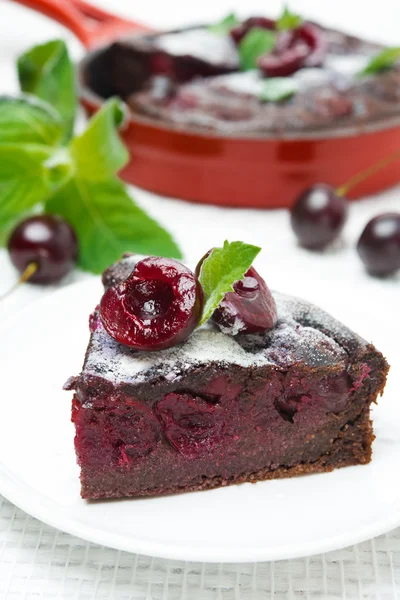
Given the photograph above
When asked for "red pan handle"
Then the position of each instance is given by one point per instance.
(92, 25)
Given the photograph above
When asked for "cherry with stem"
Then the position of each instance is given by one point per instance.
(318, 215)
(43, 248)
(25, 276)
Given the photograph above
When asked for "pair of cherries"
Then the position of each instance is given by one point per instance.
(318, 217)
(161, 302)
(303, 46)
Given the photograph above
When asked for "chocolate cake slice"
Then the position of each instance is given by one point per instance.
(217, 410)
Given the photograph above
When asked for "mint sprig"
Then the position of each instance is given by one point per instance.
(277, 89)
(99, 152)
(382, 61)
(28, 120)
(47, 72)
(42, 170)
(288, 20)
(256, 42)
(224, 26)
(221, 269)
(27, 176)
(108, 223)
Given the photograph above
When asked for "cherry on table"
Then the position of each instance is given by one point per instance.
(318, 216)
(45, 246)
(158, 306)
(379, 244)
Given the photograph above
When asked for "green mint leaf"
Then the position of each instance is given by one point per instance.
(288, 20)
(28, 120)
(221, 270)
(99, 152)
(108, 223)
(382, 61)
(256, 42)
(47, 72)
(28, 174)
(277, 89)
(224, 26)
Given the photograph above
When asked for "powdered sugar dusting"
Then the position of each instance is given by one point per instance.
(118, 363)
(237, 326)
(288, 343)
(340, 70)
(349, 65)
(201, 43)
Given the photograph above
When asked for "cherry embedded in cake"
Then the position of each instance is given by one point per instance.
(219, 409)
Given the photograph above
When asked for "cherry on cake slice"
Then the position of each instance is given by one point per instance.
(270, 387)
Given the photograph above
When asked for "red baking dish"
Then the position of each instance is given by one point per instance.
(256, 172)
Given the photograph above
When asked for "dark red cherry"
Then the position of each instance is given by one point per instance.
(285, 63)
(192, 425)
(249, 309)
(158, 306)
(330, 392)
(303, 47)
(379, 244)
(47, 241)
(318, 216)
(133, 430)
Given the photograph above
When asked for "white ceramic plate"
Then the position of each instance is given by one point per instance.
(267, 521)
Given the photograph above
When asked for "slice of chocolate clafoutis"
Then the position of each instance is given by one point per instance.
(270, 386)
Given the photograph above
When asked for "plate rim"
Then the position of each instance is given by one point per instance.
(50, 512)
(10, 488)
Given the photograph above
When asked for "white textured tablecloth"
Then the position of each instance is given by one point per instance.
(37, 561)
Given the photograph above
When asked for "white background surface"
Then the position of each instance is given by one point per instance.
(38, 562)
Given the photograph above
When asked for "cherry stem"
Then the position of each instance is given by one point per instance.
(26, 275)
(359, 177)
